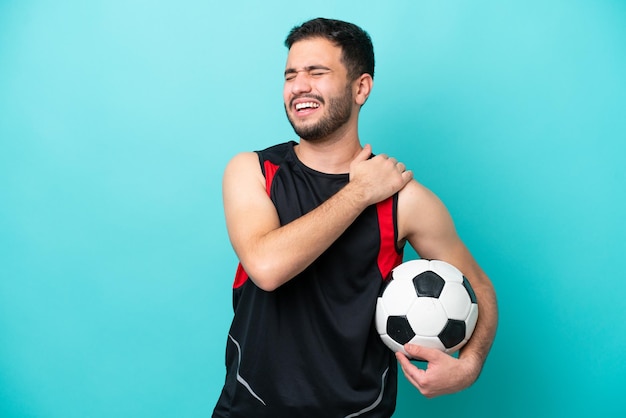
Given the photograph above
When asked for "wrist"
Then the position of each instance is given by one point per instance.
(356, 195)
(473, 365)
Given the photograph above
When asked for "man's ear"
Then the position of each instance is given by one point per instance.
(363, 86)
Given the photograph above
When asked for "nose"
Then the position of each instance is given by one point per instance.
(300, 84)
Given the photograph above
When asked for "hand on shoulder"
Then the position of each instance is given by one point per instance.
(378, 177)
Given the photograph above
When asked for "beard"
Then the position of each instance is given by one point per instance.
(339, 112)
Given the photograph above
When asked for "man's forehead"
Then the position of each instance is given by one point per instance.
(317, 47)
(313, 51)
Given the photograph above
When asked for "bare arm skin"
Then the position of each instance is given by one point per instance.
(426, 224)
(273, 254)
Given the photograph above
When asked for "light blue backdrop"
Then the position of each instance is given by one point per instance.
(118, 117)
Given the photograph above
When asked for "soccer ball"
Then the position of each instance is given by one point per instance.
(426, 302)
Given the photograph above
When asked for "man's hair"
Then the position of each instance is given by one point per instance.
(357, 51)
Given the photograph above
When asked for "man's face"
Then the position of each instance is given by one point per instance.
(317, 94)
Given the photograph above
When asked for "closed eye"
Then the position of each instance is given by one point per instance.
(313, 71)
(318, 73)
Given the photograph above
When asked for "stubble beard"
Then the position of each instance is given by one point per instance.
(339, 112)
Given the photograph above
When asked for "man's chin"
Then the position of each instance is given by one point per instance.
(311, 134)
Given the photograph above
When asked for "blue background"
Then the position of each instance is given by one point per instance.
(117, 119)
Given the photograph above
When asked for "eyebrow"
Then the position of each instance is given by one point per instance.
(307, 69)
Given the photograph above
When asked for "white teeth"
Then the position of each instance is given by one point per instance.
(307, 105)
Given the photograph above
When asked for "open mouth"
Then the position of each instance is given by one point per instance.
(304, 106)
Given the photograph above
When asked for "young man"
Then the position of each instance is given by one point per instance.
(317, 226)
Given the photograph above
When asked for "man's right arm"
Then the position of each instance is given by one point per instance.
(273, 254)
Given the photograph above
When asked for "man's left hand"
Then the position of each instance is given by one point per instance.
(443, 375)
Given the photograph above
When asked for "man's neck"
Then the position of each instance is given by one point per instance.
(331, 155)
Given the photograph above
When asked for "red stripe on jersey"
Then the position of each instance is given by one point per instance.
(388, 256)
(270, 170)
(240, 277)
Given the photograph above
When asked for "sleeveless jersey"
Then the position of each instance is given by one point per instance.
(310, 348)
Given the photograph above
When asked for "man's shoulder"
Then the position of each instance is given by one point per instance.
(271, 153)
(415, 192)
(275, 156)
(422, 216)
(417, 199)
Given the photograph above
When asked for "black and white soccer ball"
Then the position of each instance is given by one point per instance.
(429, 303)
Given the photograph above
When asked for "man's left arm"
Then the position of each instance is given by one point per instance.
(425, 223)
